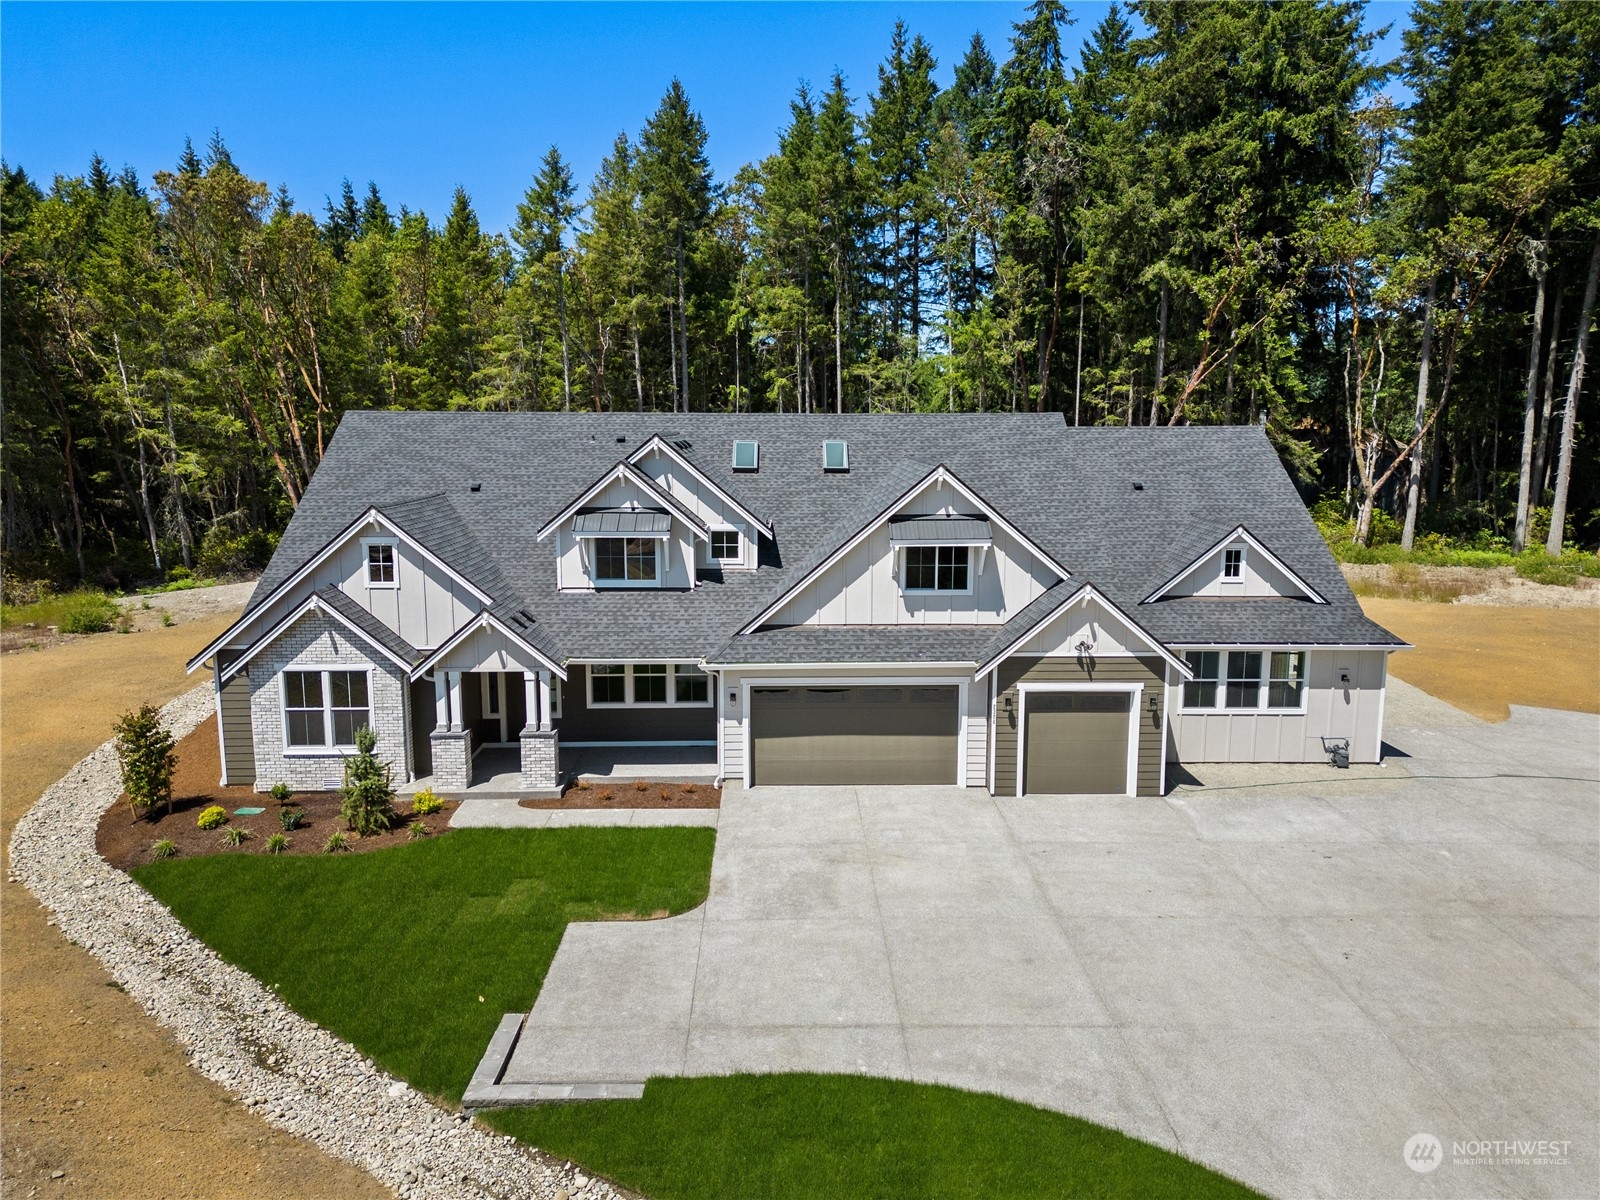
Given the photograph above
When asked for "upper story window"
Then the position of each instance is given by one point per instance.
(746, 456)
(626, 560)
(1233, 563)
(1254, 680)
(835, 456)
(381, 565)
(724, 545)
(938, 569)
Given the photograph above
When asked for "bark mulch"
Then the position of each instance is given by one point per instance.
(639, 794)
(124, 842)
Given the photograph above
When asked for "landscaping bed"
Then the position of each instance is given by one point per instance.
(638, 794)
(126, 843)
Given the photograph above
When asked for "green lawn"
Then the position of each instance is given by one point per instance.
(813, 1136)
(412, 954)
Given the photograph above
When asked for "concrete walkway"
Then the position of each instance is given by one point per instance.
(1285, 975)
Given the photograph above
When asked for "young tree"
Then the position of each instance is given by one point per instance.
(145, 750)
(367, 795)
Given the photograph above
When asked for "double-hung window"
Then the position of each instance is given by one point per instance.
(1233, 565)
(650, 683)
(608, 683)
(381, 565)
(691, 685)
(625, 560)
(1245, 680)
(615, 685)
(1286, 683)
(1201, 691)
(937, 568)
(323, 709)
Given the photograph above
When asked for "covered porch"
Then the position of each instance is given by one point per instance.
(497, 771)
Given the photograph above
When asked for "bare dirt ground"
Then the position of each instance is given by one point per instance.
(640, 794)
(144, 613)
(1483, 658)
(1497, 586)
(97, 1100)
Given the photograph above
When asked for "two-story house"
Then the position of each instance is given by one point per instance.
(994, 601)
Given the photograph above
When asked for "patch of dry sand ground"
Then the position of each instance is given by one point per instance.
(91, 1086)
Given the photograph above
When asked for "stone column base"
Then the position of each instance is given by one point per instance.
(541, 760)
(452, 759)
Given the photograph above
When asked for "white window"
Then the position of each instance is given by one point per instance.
(381, 564)
(625, 560)
(1233, 563)
(938, 569)
(648, 685)
(323, 709)
(1245, 680)
(724, 545)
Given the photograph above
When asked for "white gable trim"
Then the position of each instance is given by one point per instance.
(627, 472)
(313, 603)
(485, 620)
(940, 475)
(1254, 543)
(1087, 592)
(658, 444)
(373, 516)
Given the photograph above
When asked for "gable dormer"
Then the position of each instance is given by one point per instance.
(625, 532)
(1237, 566)
(734, 531)
(939, 554)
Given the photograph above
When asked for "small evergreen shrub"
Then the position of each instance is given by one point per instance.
(426, 802)
(368, 796)
(277, 843)
(213, 817)
(235, 835)
(291, 818)
(280, 792)
(335, 843)
(165, 848)
(145, 749)
(417, 830)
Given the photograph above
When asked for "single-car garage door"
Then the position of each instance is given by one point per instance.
(854, 735)
(1077, 742)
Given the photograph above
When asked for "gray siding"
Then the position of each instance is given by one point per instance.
(1146, 670)
(238, 744)
(580, 723)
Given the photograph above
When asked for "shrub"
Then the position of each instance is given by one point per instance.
(165, 848)
(335, 843)
(144, 747)
(280, 792)
(368, 797)
(277, 843)
(235, 835)
(223, 553)
(417, 830)
(291, 818)
(1541, 568)
(213, 817)
(426, 802)
(179, 574)
(88, 612)
(166, 619)
(641, 786)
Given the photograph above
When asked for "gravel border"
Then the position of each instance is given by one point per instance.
(295, 1075)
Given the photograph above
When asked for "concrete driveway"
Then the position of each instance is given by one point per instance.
(1284, 974)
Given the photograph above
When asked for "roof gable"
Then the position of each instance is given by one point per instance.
(660, 445)
(1087, 601)
(1278, 580)
(625, 472)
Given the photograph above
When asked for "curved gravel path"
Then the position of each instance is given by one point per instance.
(297, 1076)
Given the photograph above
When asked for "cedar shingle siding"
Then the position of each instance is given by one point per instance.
(1146, 670)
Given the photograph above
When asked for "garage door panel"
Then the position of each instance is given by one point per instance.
(1077, 742)
(853, 735)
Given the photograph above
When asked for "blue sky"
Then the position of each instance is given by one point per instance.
(422, 97)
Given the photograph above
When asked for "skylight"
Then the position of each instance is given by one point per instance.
(746, 456)
(835, 456)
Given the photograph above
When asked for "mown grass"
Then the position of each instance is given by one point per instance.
(413, 954)
(765, 1137)
(83, 611)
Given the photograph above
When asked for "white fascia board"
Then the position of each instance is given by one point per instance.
(715, 665)
(485, 620)
(939, 474)
(1087, 592)
(1387, 647)
(312, 603)
(625, 470)
(1239, 531)
(659, 444)
(372, 516)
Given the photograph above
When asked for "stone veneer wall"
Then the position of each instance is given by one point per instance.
(317, 641)
(541, 756)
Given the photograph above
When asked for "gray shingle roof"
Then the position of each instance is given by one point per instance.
(1068, 489)
(369, 624)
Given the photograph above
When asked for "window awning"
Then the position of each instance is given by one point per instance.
(622, 522)
(941, 531)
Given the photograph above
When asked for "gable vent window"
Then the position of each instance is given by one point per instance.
(1233, 564)
(380, 565)
(746, 456)
(724, 545)
(835, 456)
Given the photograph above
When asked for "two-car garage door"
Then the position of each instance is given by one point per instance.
(804, 735)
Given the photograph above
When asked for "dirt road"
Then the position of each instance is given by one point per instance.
(92, 1088)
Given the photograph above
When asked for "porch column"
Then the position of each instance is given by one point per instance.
(541, 749)
(454, 684)
(531, 702)
(544, 701)
(452, 742)
(441, 702)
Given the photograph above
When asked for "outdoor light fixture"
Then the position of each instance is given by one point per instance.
(1155, 702)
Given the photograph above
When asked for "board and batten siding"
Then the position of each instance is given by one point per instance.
(1148, 670)
(233, 712)
(425, 609)
(706, 504)
(1331, 711)
(677, 568)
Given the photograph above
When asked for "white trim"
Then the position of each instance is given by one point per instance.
(1135, 706)
(658, 559)
(813, 666)
(1290, 646)
(959, 682)
(1086, 592)
(661, 445)
(939, 475)
(628, 667)
(484, 620)
(1263, 680)
(905, 568)
(595, 745)
(1383, 694)
(994, 728)
(316, 602)
(625, 470)
(222, 737)
(1239, 531)
(366, 563)
(327, 749)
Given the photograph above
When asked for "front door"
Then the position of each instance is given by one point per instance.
(502, 701)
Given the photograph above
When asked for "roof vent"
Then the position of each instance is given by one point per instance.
(835, 456)
(746, 456)
(683, 443)
(476, 487)
(621, 437)
(1138, 487)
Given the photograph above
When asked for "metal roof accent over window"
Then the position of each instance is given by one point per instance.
(746, 456)
(835, 456)
(941, 531)
(613, 522)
